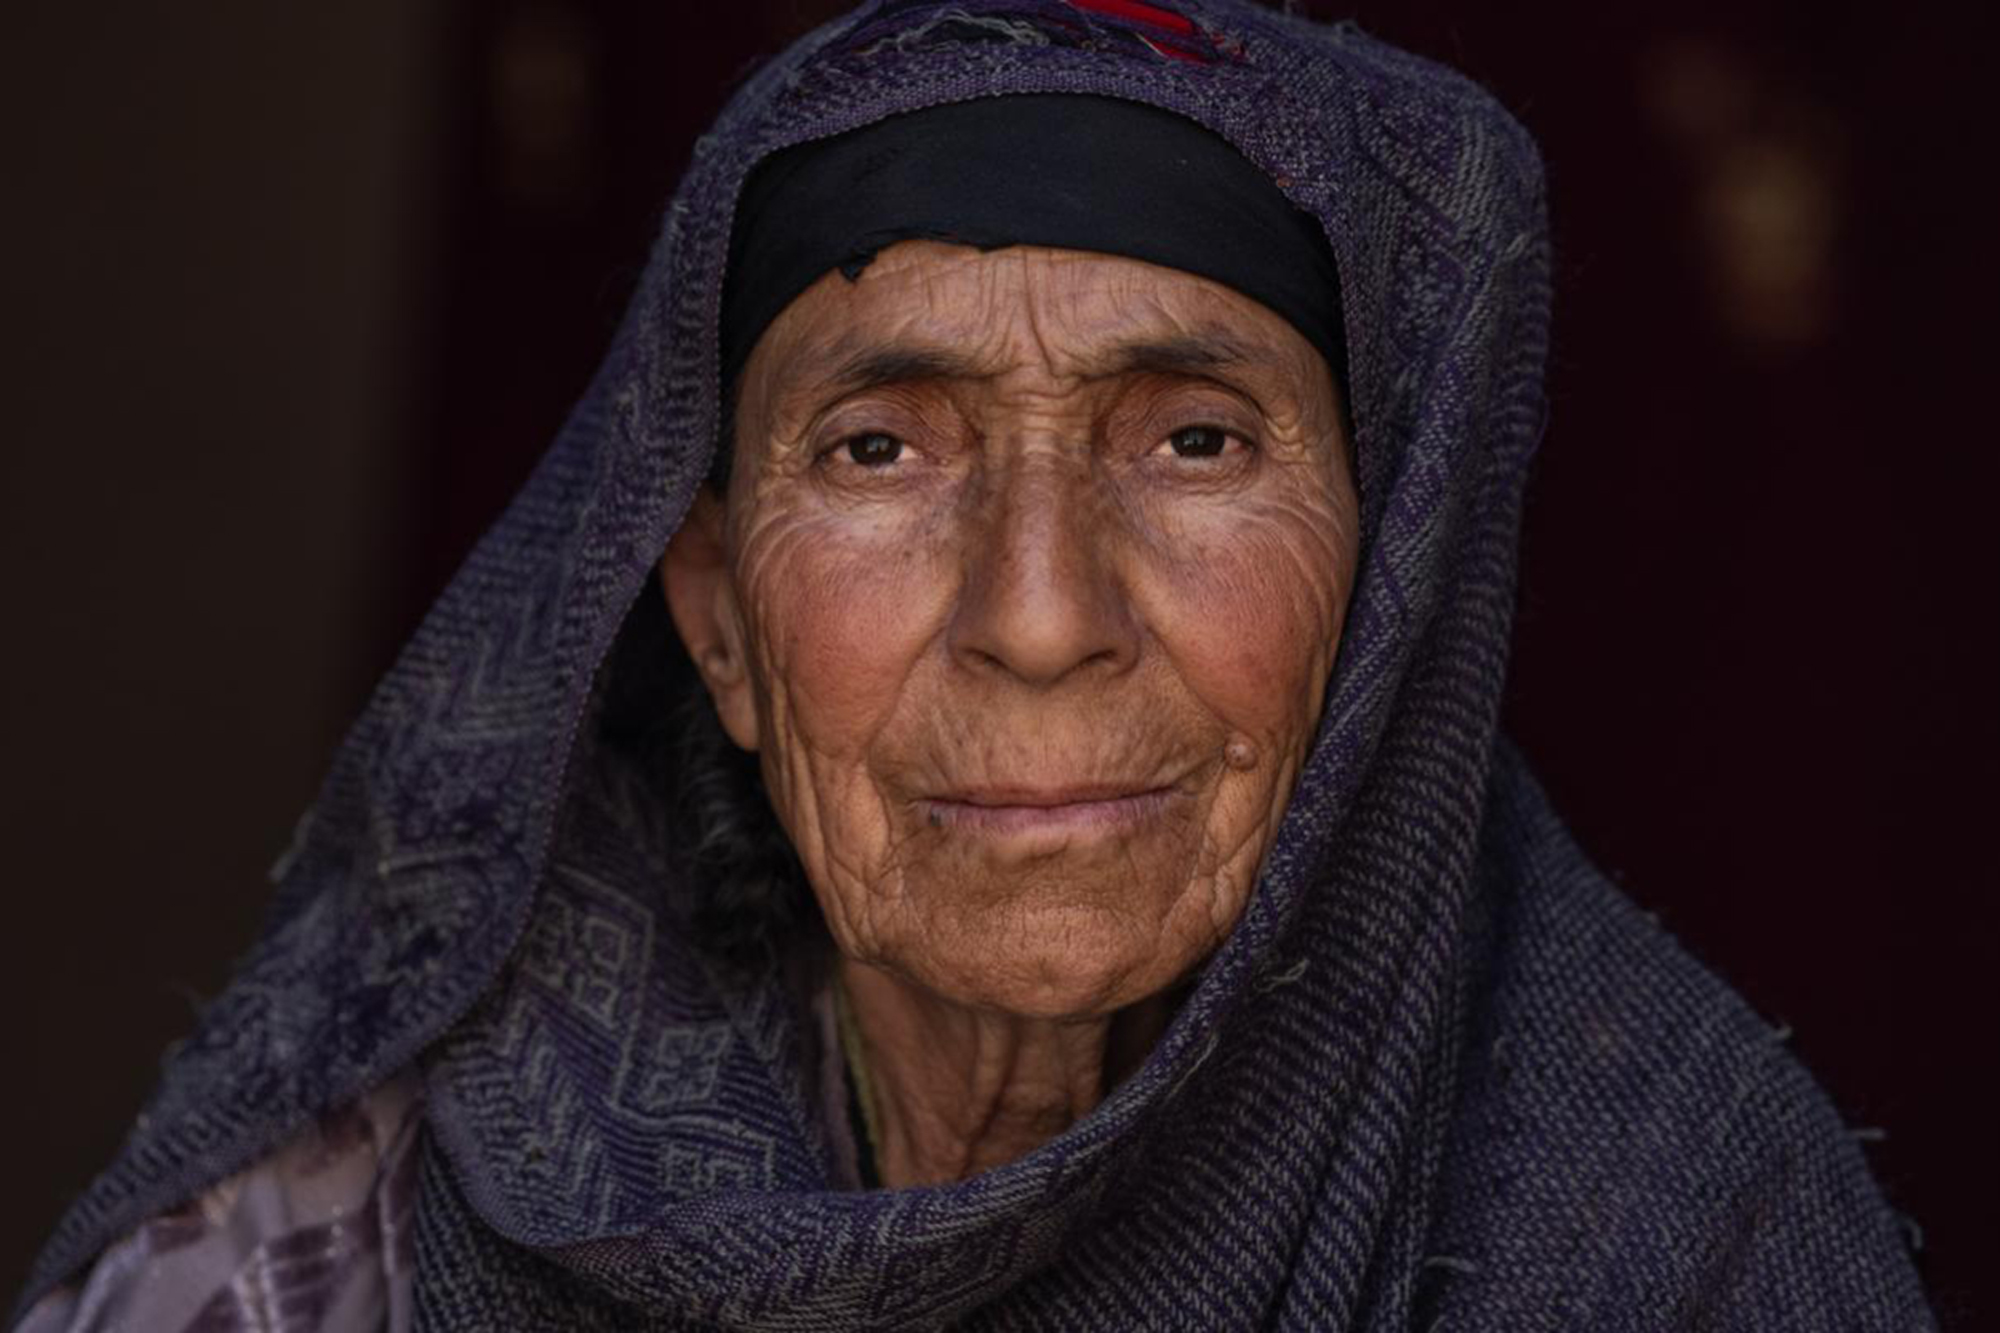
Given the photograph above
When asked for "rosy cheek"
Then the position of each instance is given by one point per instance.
(847, 616)
(1245, 611)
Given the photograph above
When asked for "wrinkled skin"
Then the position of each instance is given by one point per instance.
(1025, 590)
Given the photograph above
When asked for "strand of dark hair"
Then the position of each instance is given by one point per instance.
(740, 891)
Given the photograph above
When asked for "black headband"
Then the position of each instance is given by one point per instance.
(1072, 171)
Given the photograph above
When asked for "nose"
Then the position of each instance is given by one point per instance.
(1042, 600)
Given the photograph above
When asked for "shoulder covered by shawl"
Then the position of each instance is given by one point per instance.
(1634, 1147)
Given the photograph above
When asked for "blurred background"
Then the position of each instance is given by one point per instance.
(292, 296)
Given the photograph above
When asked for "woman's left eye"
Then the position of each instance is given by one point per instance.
(1199, 441)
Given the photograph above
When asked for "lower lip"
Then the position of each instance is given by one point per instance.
(1072, 817)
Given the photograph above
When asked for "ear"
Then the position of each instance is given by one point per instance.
(701, 597)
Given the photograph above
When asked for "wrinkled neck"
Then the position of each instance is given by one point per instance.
(949, 1091)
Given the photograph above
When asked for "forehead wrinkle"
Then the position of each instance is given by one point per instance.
(860, 357)
(865, 365)
(975, 316)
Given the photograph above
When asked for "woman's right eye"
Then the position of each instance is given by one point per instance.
(873, 449)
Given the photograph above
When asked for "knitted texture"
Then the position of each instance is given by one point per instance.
(1440, 1075)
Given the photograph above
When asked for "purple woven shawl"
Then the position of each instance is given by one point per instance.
(1441, 1075)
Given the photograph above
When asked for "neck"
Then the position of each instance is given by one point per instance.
(953, 1091)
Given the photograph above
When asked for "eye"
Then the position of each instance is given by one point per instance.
(1199, 441)
(873, 449)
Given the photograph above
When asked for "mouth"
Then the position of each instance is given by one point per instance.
(1035, 814)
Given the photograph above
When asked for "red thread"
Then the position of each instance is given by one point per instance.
(1135, 12)
(1174, 52)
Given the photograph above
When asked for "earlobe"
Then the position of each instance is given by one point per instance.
(696, 578)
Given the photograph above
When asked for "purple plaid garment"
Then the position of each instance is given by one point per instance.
(1441, 1076)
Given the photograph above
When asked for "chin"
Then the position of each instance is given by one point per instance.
(1054, 963)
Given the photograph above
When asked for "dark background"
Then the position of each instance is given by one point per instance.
(292, 297)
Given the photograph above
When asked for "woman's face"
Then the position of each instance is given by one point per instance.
(1026, 589)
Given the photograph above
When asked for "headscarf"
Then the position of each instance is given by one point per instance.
(1070, 171)
(1440, 1075)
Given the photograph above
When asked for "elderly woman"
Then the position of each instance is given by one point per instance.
(965, 790)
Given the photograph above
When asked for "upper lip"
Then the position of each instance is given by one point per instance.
(1074, 794)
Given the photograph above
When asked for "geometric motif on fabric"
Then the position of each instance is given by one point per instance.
(686, 1062)
(589, 947)
(705, 1155)
(949, 1271)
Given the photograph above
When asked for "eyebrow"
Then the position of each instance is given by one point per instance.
(1194, 354)
(1197, 353)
